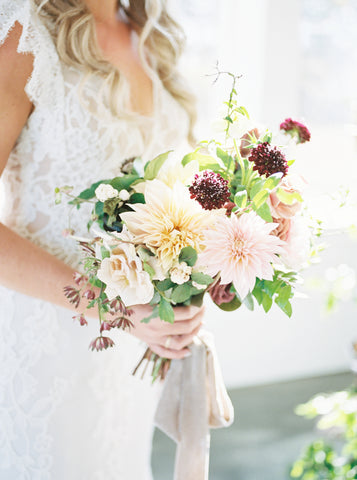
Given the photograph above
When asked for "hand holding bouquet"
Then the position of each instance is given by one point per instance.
(224, 219)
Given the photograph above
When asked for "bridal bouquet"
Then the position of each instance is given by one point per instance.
(224, 220)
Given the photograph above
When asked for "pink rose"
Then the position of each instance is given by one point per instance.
(221, 293)
(288, 185)
(283, 229)
(243, 149)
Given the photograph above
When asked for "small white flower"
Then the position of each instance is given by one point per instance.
(198, 286)
(104, 192)
(180, 273)
(124, 195)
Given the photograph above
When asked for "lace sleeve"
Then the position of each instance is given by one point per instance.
(43, 87)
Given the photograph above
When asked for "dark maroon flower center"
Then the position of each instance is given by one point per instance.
(268, 160)
(210, 190)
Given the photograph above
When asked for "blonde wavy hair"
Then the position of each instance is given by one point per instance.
(72, 27)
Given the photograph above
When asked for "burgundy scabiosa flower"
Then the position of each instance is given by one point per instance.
(296, 129)
(101, 343)
(268, 160)
(210, 190)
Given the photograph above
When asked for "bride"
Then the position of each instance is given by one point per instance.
(84, 85)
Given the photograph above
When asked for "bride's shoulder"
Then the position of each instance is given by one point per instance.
(27, 49)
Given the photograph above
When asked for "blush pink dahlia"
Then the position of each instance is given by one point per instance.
(296, 129)
(210, 190)
(241, 249)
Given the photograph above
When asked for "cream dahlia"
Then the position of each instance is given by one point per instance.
(169, 221)
(241, 249)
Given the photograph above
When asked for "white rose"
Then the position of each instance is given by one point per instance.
(104, 191)
(123, 275)
(180, 273)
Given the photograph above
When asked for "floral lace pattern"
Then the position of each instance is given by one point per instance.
(66, 412)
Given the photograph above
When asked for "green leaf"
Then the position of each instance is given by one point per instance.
(155, 299)
(165, 284)
(148, 269)
(104, 252)
(99, 208)
(267, 302)
(273, 181)
(137, 198)
(230, 306)
(288, 197)
(260, 198)
(154, 314)
(228, 118)
(152, 168)
(290, 162)
(188, 255)
(225, 157)
(258, 294)
(267, 137)
(249, 302)
(197, 300)
(264, 212)
(201, 278)
(181, 293)
(257, 186)
(96, 282)
(284, 295)
(243, 111)
(205, 161)
(285, 307)
(241, 198)
(166, 312)
(124, 182)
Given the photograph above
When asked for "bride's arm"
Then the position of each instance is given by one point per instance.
(29, 269)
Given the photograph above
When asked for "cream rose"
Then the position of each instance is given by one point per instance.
(123, 275)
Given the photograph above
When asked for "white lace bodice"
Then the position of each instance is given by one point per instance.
(70, 139)
(66, 412)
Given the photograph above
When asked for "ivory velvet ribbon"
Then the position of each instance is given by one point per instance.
(194, 399)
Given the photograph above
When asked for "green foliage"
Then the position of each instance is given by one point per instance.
(181, 293)
(201, 278)
(241, 198)
(188, 255)
(152, 168)
(323, 461)
(204, 161)
(230, 306)
(278, 290)
(148, 269)
(166, 312)
(154, 314)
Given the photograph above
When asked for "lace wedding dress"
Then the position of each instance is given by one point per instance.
(67, 413)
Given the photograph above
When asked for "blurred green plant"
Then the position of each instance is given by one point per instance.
(335, 459)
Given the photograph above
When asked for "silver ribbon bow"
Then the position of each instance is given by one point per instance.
(194, 399)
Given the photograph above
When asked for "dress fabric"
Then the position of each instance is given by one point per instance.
(66, 412)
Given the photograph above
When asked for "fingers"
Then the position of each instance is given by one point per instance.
(186, 313)
(179, 342)
(169, 353)
(180, 328)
